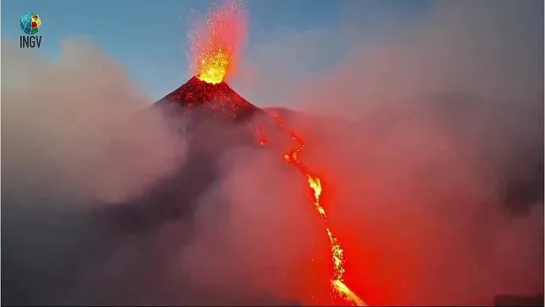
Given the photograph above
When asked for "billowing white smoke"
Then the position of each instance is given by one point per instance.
(82, 118)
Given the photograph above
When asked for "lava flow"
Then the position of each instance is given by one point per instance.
(315, 184)
(215, 50)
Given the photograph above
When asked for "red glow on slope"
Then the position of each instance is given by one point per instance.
(219, 99)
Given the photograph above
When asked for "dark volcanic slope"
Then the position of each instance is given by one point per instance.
(210, 119)
(77, 254)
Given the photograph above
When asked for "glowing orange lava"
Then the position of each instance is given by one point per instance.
(315, 184)
(215, 47)
(216, 43)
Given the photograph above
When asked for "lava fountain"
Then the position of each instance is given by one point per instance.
(216, 44)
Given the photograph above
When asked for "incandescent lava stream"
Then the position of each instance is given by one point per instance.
(220, 105)
(315, 185)
(221, 108)
(214, 110)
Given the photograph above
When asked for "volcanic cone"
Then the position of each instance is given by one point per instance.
(215, 100)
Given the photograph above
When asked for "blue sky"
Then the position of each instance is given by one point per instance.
(149, 37)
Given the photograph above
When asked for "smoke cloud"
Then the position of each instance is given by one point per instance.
(431, 155)
(79, 141)
(80, 115)
(433, 147)
(97, 211)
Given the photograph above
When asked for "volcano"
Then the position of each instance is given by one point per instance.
(213, 116)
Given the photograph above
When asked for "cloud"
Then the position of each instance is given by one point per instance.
(102, 206)
(78, 140)
(493, 50)
(442, 150)
(82, 117)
